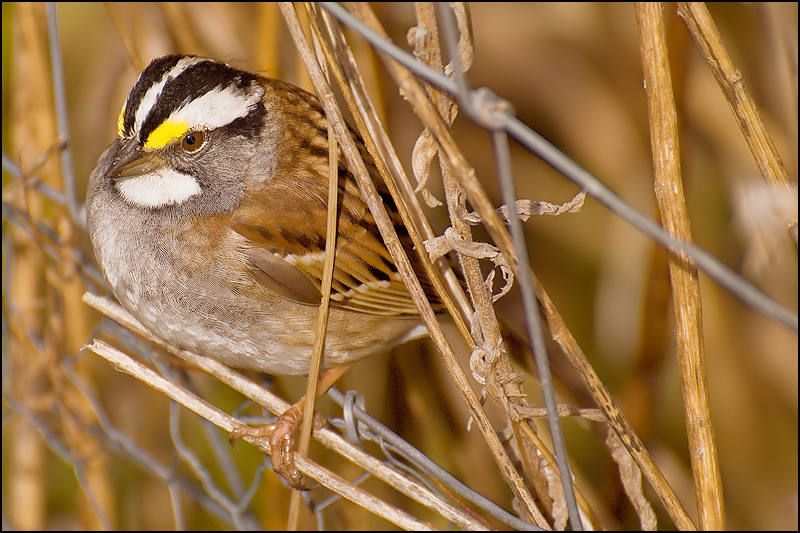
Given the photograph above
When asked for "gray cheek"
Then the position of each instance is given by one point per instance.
(222, 174)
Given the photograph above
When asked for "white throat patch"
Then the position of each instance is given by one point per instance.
(158, 189)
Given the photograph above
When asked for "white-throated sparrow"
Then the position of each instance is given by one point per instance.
(208, 218)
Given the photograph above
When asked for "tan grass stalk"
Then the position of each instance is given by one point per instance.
(324, 308)
(683, 273)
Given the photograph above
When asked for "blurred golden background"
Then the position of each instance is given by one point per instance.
(573, 72)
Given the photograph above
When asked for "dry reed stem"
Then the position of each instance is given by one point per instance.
(486, 327)
(489, 331)
(388, 163)
(430, 117)
(411, 89)
(324, 308)
(614, 416)
(40, 296)
(131, 49)
(744, 108)
(683, 272)
(26, 462)
(359, 103)
(529, 431)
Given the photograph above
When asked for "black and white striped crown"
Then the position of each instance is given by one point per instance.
(177, 94)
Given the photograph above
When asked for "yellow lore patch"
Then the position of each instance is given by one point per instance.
(121, 121)
(165, 133)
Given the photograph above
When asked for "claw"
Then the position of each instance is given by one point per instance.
(281, 444)
(281, 435)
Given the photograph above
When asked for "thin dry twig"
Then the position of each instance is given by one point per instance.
(324, 309)
(325, 477)
(614, 416)
(410, 87)
(128, 42)
(489, 361)
(37, 339)
(744, 108)
(276, 405)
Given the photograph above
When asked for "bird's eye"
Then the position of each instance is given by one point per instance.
(192, 141)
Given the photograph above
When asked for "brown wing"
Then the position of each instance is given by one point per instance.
(285, 245)
(284, 226)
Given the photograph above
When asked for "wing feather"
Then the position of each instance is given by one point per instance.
(291, 262)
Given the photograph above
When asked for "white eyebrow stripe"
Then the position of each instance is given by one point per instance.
(218, 107)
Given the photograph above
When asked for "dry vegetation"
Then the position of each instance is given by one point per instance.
(86, 446)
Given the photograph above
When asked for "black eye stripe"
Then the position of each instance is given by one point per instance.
(250, 125)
